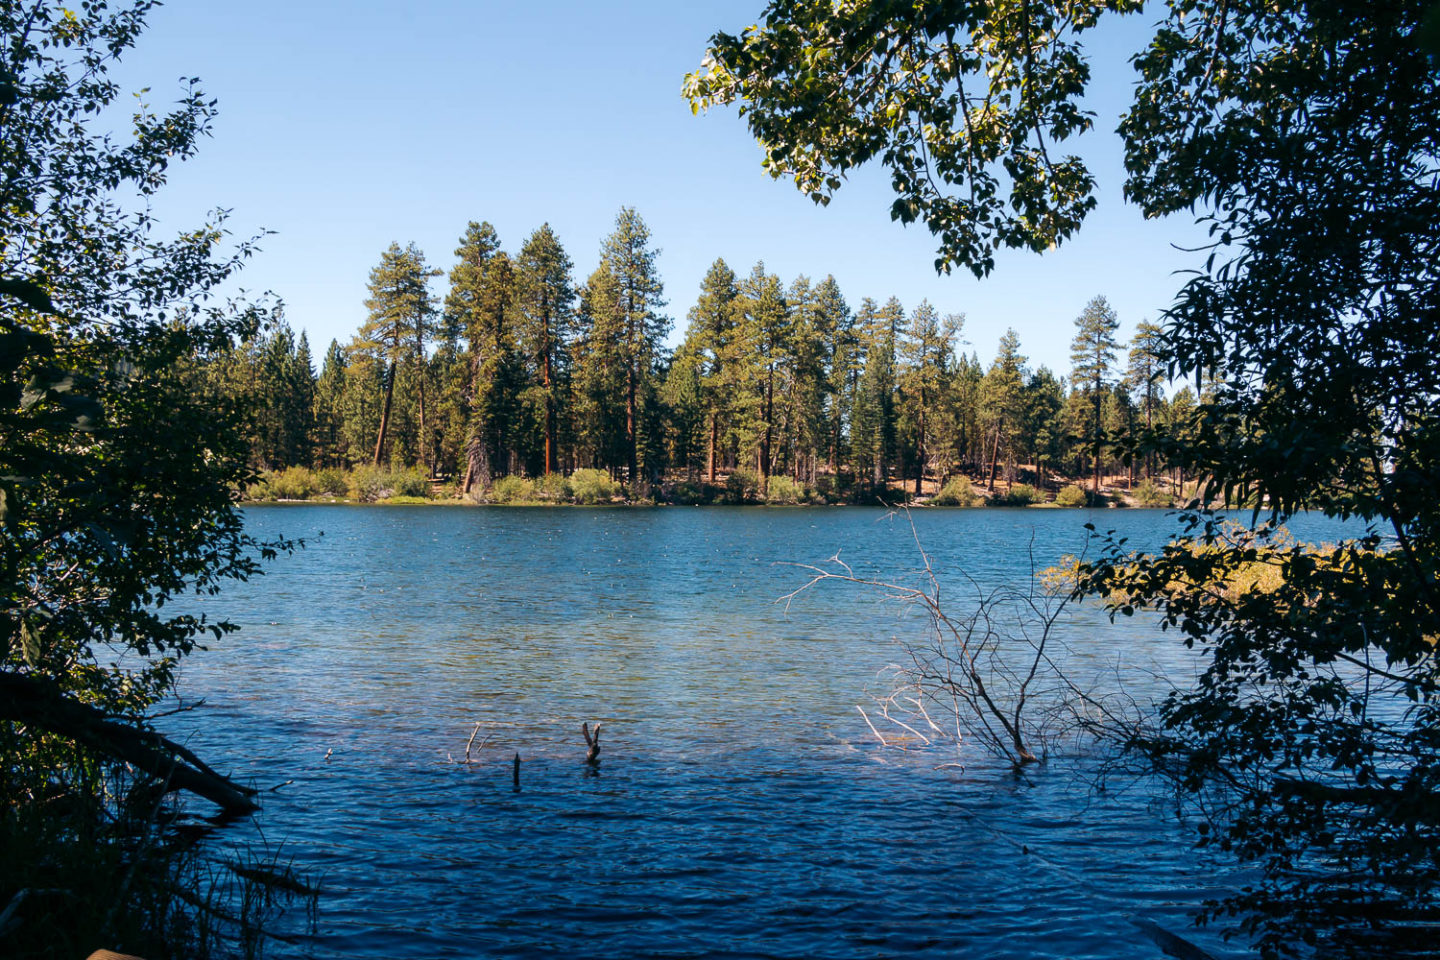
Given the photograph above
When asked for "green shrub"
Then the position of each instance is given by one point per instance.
(408, 482)
(589, 485)
(552, 488)
(1073, 495)
(957, 492)
(690, 494)
(260, 489)
(292, 483)
(332, 482)
(1148, 494)
(1020, 495)
(741, 486)
(782, 489)
(512, 489)
(826, 490)
(368, 484)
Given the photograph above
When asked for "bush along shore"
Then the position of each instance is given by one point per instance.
(594, 487)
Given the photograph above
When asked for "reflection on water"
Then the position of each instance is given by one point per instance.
(742, 808)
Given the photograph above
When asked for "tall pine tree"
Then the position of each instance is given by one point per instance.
(398, 328)
(1092, 359)
(545, 294)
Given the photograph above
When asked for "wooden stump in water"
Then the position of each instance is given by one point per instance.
(592, 756)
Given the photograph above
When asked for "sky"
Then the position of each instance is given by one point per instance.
(346, 125)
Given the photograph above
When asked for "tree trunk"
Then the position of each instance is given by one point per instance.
(631, 442)
(32, 702)
(549, 416)
(994, 459)
(920, 452)
(423, 459)
(769, 429)
(714, 438)
(385, 412)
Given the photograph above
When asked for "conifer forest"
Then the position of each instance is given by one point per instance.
(519, 371)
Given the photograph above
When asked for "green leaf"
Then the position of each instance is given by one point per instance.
(29, 643)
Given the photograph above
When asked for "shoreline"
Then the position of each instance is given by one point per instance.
(647, 504)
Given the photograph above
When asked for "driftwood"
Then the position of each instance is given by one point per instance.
(592, 740)
(35, 703)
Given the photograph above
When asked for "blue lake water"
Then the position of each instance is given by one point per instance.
(742, 808)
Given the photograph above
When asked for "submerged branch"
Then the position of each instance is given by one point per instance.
(32, 702)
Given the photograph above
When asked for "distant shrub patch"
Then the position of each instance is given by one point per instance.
(686, 493)
(552, 488)
(589, 486)
(292, 483)
(1020, 495)
(957, 492)
(783, 489)
(512, 489)
(409, 482)
(1072, 496)
(331, 482)
(368, 484)
(742, 486)
(1148, 494)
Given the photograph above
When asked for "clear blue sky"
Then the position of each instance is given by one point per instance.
(347, 124)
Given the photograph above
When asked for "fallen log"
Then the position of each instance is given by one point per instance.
(37, 704)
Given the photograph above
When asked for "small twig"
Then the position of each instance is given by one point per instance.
(472, 740)
(882, 740)
(906, 726)
(182, 708)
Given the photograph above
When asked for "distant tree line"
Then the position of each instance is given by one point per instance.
(519, 370)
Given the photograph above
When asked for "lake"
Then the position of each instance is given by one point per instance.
(742, 807)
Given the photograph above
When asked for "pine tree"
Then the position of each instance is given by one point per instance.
(804, 429)
(545, 295)
(479, 308)
(1044, 429)
(685, 414)
(1092, 358)
(841, 365)
(1143, 376)
(600, 372)
(635, 298)
(878, 329)
(498, 375)
(1002, 401)
(398, 328)
(328, 410)
(764, 332)
(963, 399)
(711, 339)
(927, 353)
(364, 393)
